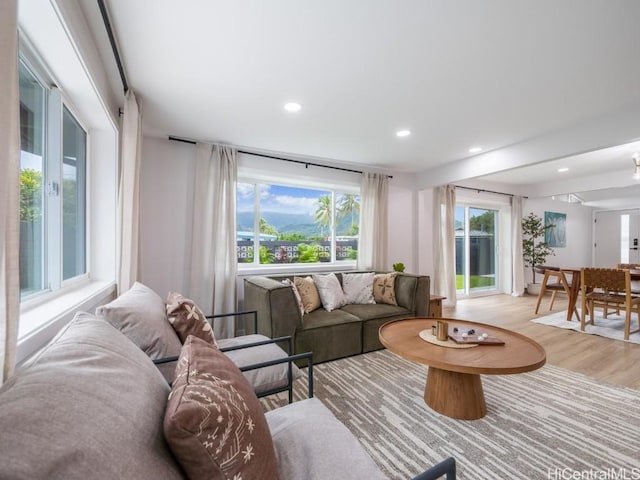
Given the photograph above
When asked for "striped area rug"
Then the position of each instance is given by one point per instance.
(547, 424)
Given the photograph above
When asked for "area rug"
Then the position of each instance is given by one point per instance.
(610, 327)
(545, 424)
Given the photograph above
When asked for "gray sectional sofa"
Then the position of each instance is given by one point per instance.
(91, 405)
(349, 330)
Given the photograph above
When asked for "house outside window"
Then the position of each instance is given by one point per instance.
(288, 225)
(52, 187)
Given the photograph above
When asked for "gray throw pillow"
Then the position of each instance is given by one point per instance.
(140, 314)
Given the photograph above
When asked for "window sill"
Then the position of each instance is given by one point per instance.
(40, 323)
(295, 268)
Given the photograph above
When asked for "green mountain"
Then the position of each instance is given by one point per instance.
(293, 223)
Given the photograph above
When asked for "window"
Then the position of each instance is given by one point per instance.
(287, 224)
(74, 148)
(32, 139)
(52, 188)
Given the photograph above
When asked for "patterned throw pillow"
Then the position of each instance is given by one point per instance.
(384, 285)
(358, 287)
(308, 293)
(296, 294)
(187, 319)
(330, 291)
(214, 423)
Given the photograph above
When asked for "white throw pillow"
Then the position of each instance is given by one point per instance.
(358, 287)
(330, 291)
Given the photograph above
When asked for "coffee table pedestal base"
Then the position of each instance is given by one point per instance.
(456, 395)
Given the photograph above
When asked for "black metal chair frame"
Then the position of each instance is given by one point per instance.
(445, 468)
(289, 359)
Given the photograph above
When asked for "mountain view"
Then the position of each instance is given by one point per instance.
(293, 223)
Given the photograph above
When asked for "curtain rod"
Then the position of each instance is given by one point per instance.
(486, 191)
(112, 41)
(302, 162)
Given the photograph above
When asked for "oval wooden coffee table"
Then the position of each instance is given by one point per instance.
(453, 386)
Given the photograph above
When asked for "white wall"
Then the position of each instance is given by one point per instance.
(403, 224)
(425, 233)
(577, 253)
(166, 207)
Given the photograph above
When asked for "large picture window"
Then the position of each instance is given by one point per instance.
(52, 188)
(286, 224)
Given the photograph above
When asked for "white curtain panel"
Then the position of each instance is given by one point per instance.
(517, 264)
(213, 248)
(444, 246)
(372, 244)
(9, 188)
(129, 195)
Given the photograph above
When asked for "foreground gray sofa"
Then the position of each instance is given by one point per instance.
(91, 404)
(349, 330)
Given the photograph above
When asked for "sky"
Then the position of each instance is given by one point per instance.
(275, 198)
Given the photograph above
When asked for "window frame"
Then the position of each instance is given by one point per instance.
(502, 204)
(334, 190)
(55, 102)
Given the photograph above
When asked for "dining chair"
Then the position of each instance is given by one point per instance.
(605, 287)
(555, 281)
(635, 284)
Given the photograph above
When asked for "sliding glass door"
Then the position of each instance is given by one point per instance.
(476, 262)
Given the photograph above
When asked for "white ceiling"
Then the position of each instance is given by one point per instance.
(536, 80)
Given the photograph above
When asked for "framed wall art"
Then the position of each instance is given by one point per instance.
(555, 234)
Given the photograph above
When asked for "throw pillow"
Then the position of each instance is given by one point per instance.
(308, 293)
(358, 287)
(384, 285)
(140, 314)
(187, 319)
(296, 294)
(330, 291)
(214, 423)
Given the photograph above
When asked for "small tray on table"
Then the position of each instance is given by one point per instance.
(475, 338)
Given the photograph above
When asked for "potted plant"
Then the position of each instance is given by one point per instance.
(398, 267)
(534, 249)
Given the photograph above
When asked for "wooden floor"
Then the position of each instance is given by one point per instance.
(609, 361)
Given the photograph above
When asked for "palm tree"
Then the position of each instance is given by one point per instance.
(349, 203)
(323, 212)
(267, 228)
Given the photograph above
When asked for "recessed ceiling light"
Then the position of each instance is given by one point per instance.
(475, 149)
(403, 133)
(563, 169)
(292, 107)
